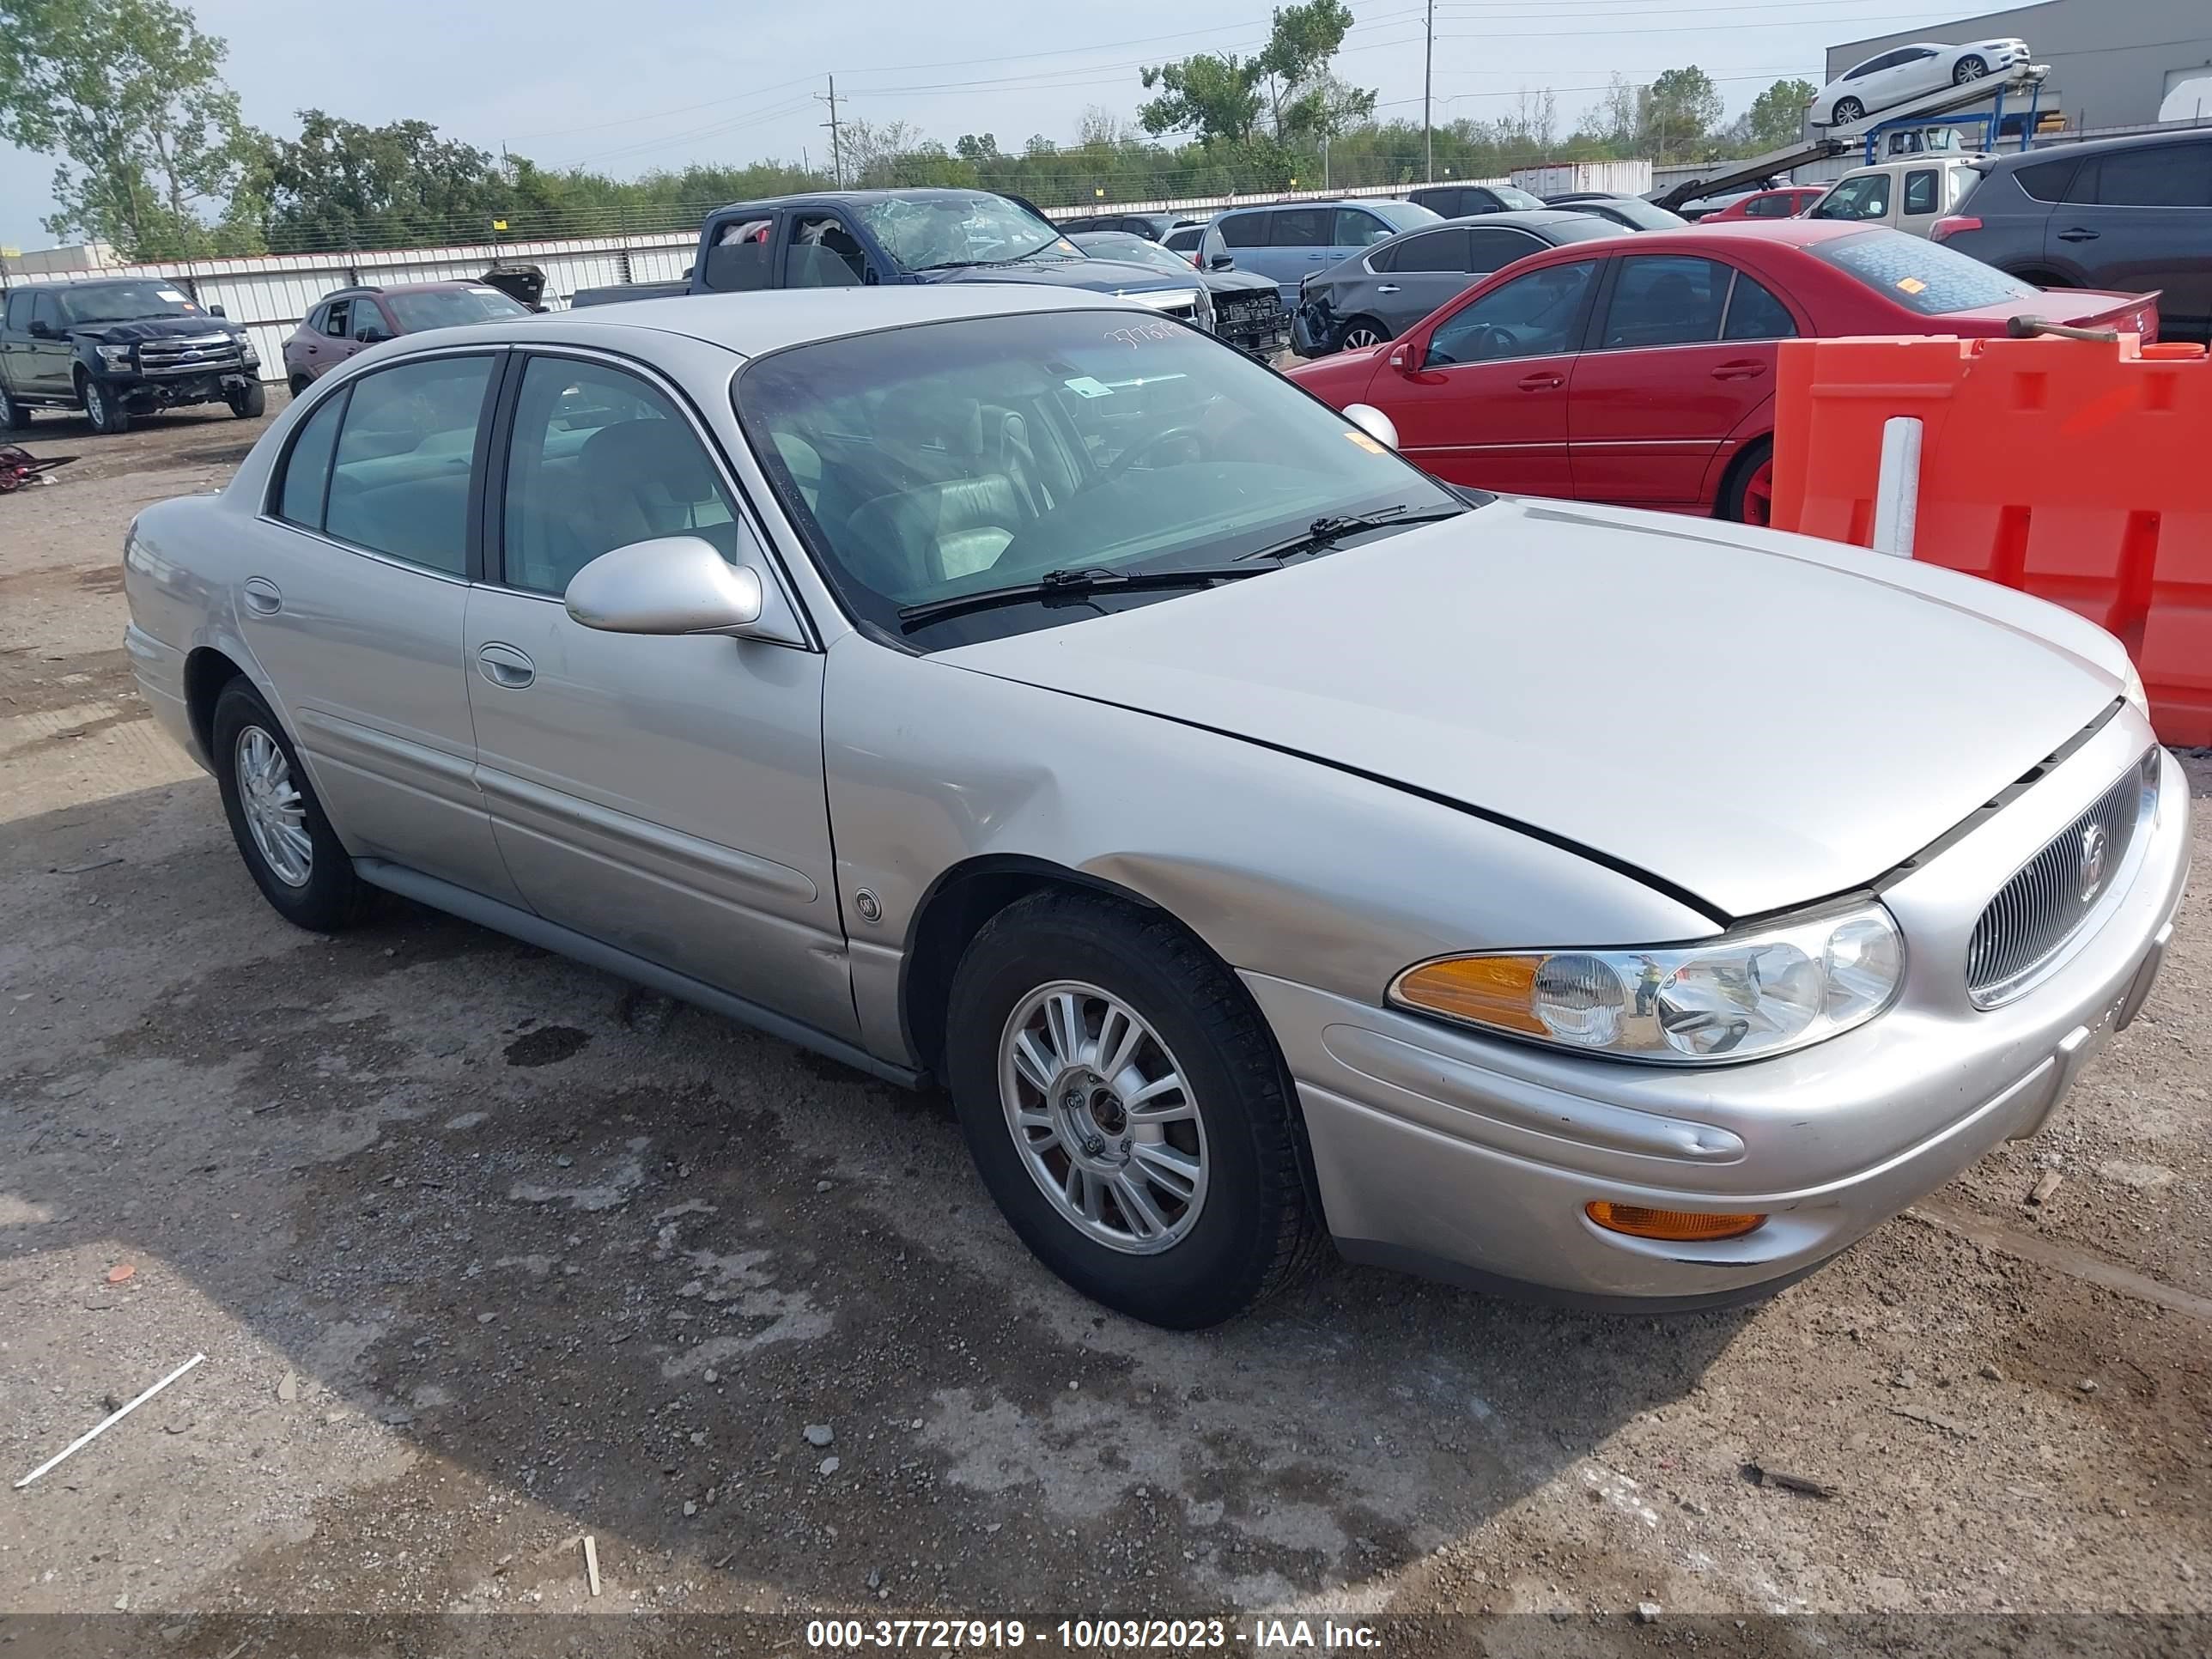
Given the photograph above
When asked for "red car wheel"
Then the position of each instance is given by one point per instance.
(1759, 494)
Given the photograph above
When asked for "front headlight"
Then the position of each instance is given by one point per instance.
(1742, 996)
(2131, 689)
(115, 356)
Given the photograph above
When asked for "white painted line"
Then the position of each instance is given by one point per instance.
(100, 1428)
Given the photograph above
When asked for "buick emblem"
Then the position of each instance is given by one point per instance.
(2093, 843)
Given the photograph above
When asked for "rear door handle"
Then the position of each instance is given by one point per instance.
(263, 597)
(1388, 287)
(1744, 371)
(504, 665)
(2077, 234)
(1541, 382)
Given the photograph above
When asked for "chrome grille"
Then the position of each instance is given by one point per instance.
(2036, 912)
(201, 351)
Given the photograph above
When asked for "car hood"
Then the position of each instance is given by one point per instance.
(1755, 720)
(1095, 275)
(1236, 282)
(153, 328)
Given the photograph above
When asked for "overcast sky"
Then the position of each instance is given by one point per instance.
(626, 85)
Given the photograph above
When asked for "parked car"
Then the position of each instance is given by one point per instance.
(1463, 201)
(1641, 370)
(1152, 226)
(1907, 196)
(1247, 312)
(1377, 295)
(1785, 203)
(2110, 213)
(894, 238)
(1904, 73)
(353, 319)
(119, 348)
(1286, 241)
(1629, 212)
(931, 682)
(1185, 239)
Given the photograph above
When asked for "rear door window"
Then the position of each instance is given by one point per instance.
(737, 258)
(334, 318)
(1753, 313)
(1300, 228)
(1494, 250)
(400, 482)
(1666, 299)
(1435, 250)
(1249, 230)
(2157, 175)
(1920, 194)
(19, 309)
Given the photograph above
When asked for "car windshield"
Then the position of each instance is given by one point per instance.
(119, 302)
(929, 462)
(1920, 275)
(449, 307)
(1121, 245)
(1514, 197)
(927, 231)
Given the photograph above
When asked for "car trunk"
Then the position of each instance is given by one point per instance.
(2129, 313)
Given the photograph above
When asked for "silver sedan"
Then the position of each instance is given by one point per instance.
(1265, 843)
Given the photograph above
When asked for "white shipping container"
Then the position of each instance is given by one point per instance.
(1559, 178)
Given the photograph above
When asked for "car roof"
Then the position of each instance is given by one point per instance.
(2019, 159)
(1905, 163)
(1514, 219)
(1692, 238)
(750, 324)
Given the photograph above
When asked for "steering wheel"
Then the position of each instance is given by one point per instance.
(1129, 458)
(1496, 340)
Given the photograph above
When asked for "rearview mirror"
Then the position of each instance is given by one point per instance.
(670, 585)
(1221, 262)
(1374, 422)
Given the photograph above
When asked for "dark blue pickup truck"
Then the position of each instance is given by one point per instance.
(862, 238)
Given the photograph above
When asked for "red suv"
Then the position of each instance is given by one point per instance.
(354, 319)
(1640, 371)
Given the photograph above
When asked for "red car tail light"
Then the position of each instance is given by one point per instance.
(1950, 225)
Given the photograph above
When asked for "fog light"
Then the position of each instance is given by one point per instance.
(1682, 1226)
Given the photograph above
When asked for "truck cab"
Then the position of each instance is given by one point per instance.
(118, 348)
(871, 238)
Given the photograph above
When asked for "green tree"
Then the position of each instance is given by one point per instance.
(340, 184)
(1776, 118)
(130, 95)
(1680, 110)
(1223, 97)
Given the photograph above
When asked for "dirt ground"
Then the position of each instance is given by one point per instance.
(486, 1251)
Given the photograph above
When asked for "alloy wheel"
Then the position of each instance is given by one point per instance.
(1104, 1123)
(275, 816)
(1968, 68)
(1758, 495)
(1359, 335)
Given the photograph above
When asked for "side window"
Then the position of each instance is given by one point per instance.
(601, 459)
(1866, 197)
(1767, 207)
(824, 253)
(1479, 201)
(400, 482)
(308, 468)
(1356, 228)
(19, 309)
(1665, 299)
(2046, 181)
(737, 260)
(334, 318)
(1247, 229)
(1531, 316)
(1435, 250)
(1920, 190)
(1300, 228)
(370, 322)
(1869, 67)
(2159, 175)
(1494, 250)
(1753, 313)
(1186, 239)
(45, 309)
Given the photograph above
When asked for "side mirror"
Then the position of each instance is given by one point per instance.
(1374, 422)
(670, 585)
(1407, 356)
(1221, 262)
(688, 269)
(217, 311)
(370, 337)
(41, 329)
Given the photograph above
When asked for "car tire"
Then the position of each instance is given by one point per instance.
(300, 382)
(251, 403)
(1360, 332)
(1216, 1216)
(1972, 67)
(1847, 110)
(103, 410)
(14, 417)
(272, 811)
(1748, 497)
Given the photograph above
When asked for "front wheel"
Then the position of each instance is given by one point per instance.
(290, 850)
(250, 402)
(1847, 111)
(102, 408)
(1126, 1107)
(1968, 68)
(1361, 332)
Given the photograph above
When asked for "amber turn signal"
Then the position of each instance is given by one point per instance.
(1681, 1226)
(1488, 990)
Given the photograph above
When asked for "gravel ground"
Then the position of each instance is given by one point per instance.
(486, 1251)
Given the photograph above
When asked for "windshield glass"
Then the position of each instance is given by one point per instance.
(118, 302)
(1515, 197)
(1121, 245)
(927, 462)
(1920, 275)
(947, 228)
(449, 307)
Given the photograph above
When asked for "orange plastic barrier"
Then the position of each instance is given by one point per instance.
(2077, 471)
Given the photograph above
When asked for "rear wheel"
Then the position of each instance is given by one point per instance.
(102, 408)
(1967, 69)
(1847, 111)
(290, 850)
(300, 382)
(1360, 332)
(1125, 1105)
(1748, 497)
(14, 417)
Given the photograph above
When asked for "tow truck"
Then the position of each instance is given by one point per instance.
(1901, 130)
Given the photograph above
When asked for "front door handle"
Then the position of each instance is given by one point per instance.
(1543, 382)
(263, 597)
(1388, 287)
(2077, 234)
(504, 665)
(1743, 371)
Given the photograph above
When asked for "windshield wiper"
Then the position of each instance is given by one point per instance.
(1071, 584)
(1334, 527)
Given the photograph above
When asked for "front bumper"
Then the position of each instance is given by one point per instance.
(161, 389)
(1438, 1150)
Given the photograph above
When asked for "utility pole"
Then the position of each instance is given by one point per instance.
(1428, 64)
(836, 149)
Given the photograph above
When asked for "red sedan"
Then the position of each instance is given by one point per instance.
(1786, 203)
(1640, 371)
